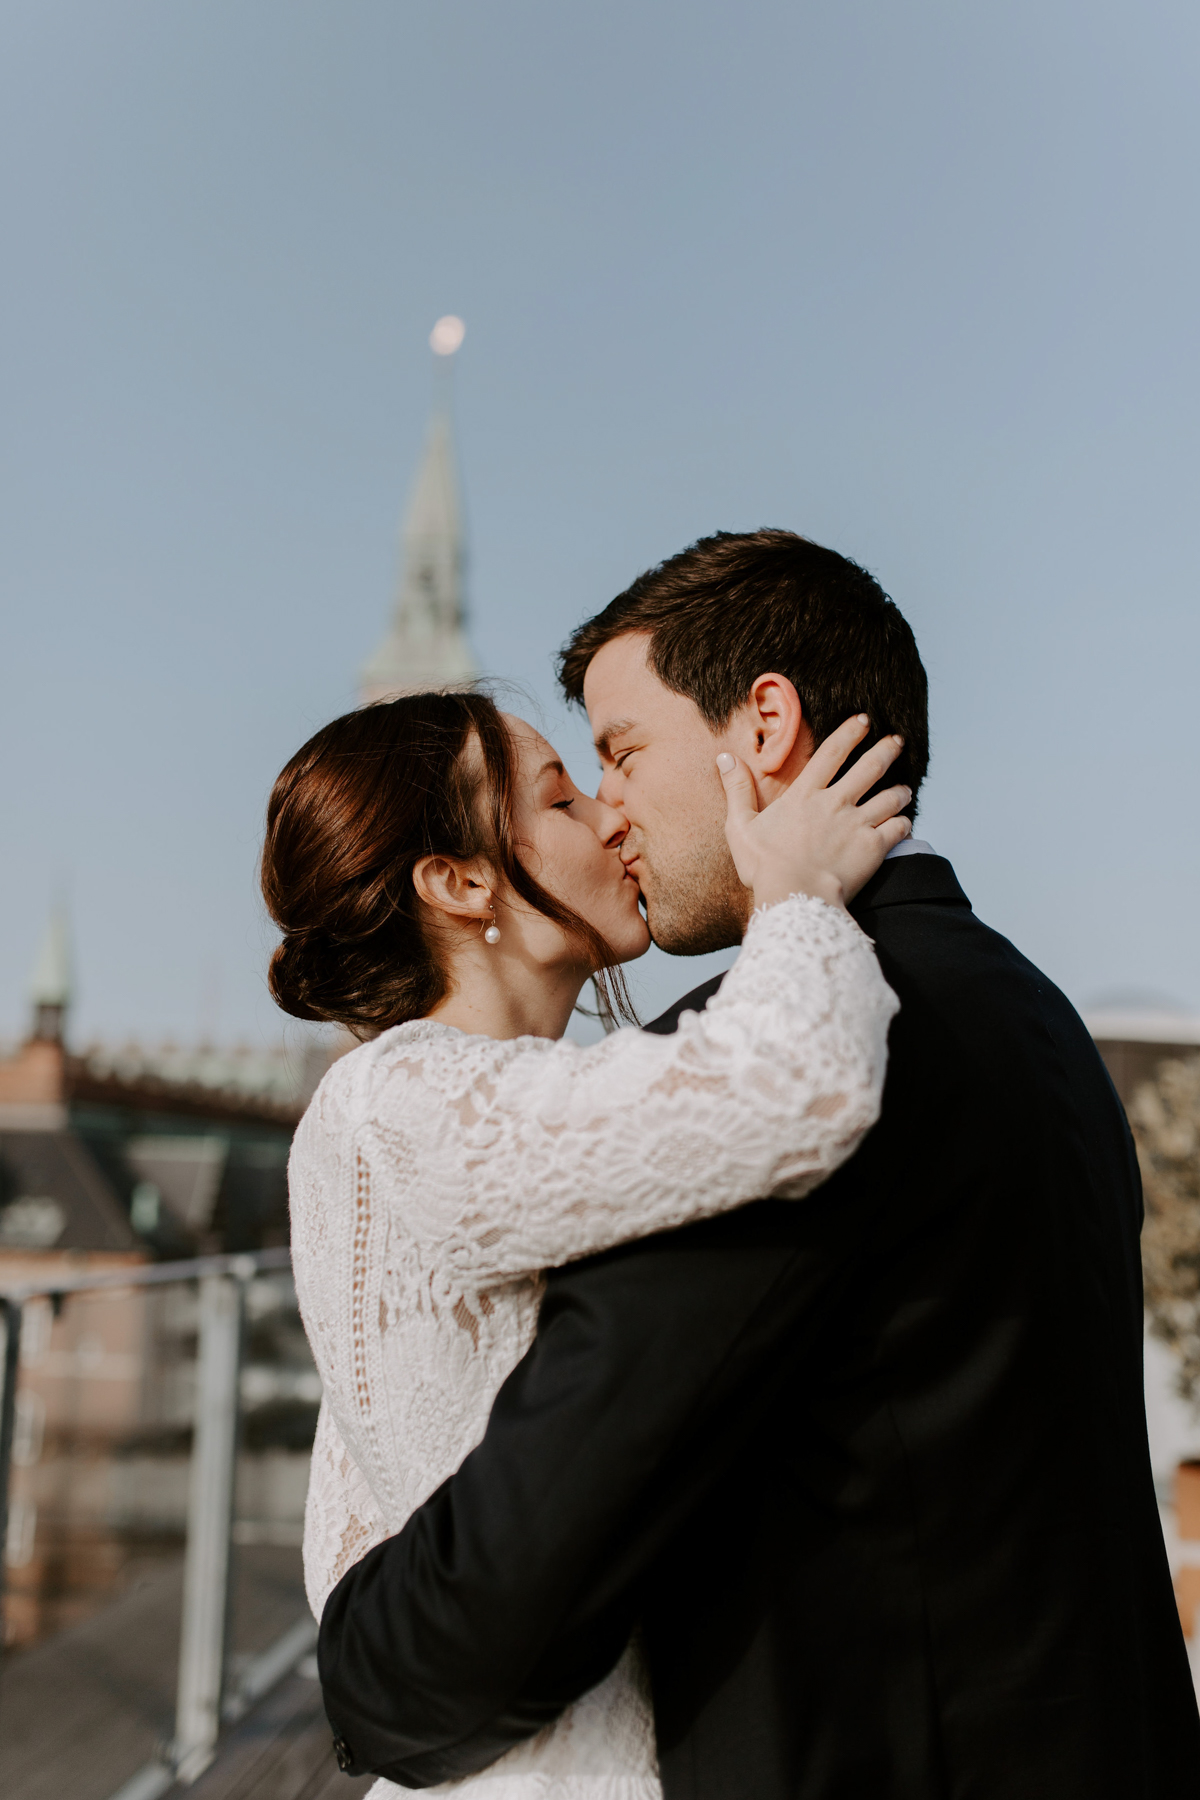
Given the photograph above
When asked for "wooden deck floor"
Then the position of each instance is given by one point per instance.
(81, 1714)
(281, 1751)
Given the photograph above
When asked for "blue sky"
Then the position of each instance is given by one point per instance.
(919, 280)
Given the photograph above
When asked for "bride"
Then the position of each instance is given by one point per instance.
(445, 890)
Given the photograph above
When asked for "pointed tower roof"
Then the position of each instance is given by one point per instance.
(51, 981)
(426, 645)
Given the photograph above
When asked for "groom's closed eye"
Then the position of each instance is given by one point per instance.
(604, 740)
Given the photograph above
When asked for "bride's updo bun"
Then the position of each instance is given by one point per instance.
(350, 816)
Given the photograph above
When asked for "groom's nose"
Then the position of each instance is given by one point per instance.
(609, 791)
(614, 826)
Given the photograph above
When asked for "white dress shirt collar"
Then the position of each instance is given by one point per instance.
(911, 847)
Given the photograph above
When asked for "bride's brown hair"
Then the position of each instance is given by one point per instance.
(350, 816)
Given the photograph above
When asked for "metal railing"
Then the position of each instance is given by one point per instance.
(206, 1695)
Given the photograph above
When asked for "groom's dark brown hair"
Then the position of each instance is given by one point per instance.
(736, 605)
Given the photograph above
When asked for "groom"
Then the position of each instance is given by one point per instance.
(870, 1471)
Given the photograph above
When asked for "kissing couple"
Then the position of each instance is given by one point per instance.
(748, 1406)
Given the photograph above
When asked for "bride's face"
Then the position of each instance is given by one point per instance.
(570, 844)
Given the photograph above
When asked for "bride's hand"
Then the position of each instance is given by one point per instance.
(816, 839)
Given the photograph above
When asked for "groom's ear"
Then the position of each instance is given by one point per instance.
(774, 719)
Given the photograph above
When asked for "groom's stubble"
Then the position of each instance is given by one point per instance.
(693, 899)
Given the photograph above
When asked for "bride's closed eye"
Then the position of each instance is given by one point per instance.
(562, 805)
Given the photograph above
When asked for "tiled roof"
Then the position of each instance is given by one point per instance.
(55, 1197)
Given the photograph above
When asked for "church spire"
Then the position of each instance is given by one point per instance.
(426, 645)
(50, 988)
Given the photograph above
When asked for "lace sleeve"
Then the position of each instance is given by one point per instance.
(512, 1156)
(342, 1518)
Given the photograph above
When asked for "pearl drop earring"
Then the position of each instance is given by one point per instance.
(492, 934)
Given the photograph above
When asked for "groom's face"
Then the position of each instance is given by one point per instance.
(658, 758)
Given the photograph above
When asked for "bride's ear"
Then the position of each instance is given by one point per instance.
(458, 888)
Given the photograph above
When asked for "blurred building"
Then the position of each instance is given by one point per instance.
(1133, 1038)
(109, 1160)
(129, 1149)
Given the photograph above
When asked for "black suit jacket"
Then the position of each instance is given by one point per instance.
(871, 1469)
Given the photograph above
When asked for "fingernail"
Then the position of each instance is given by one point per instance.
(898, 739)
(863, 719)
(725, 762)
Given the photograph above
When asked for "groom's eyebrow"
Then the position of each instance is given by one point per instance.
(614, 729)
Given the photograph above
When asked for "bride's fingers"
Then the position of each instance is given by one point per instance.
(893, 832)
(829, 755)
(741, 799)
(884, 806)
(871, 767)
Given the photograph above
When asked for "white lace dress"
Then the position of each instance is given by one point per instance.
(436, 1174)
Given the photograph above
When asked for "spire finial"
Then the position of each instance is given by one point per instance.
(447, 335)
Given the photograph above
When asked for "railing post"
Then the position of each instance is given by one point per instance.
(11, 1312)
(210, 1524)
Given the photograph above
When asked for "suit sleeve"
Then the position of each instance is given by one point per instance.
(514, 1588)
